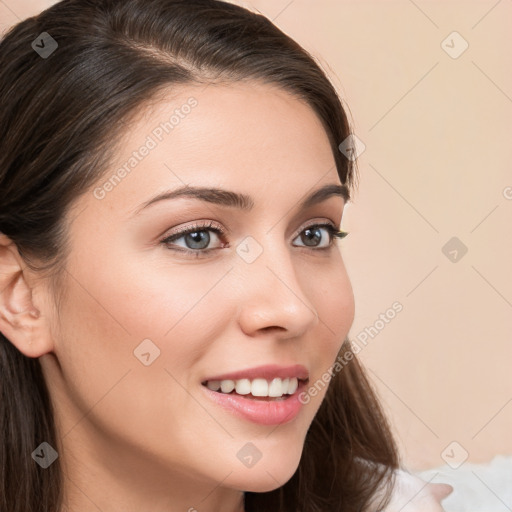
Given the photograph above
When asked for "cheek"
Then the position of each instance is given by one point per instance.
(332, 295)
(104, 322)
(335, 301)
(126, 303)
(145, 315)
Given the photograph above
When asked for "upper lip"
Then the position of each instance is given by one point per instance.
(269, 372)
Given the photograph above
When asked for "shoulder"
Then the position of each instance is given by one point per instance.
(413, 494)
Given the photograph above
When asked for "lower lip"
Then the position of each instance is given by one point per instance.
(263, 412)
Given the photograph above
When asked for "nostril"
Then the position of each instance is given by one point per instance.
(272, 327)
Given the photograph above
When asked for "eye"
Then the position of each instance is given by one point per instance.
(197, 238)
(313, 234)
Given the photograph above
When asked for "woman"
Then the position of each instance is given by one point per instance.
(172, 295)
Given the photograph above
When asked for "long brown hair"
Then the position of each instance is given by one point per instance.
(60, 115)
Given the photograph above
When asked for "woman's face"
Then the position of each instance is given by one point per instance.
(143, 324)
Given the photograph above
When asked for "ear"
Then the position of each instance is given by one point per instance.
(21, 320)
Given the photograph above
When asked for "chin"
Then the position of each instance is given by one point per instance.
(264, 477)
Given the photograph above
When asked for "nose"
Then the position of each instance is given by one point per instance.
(272, 297)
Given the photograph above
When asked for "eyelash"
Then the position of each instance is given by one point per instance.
(333, 231)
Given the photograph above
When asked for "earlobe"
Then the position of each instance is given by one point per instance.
(21, 322)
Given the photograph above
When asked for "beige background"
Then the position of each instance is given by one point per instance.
(437, 132)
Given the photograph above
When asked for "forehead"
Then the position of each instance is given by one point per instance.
(244, 136)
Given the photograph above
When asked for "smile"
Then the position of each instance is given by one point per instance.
(255, 388)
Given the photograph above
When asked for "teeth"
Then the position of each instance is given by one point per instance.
(243, 386)
(227, 386)
(214, 385)
(292, 386)
(256, 387)
(259, 387)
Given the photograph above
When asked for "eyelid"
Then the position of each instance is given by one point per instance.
(314, 222)
(197, 225)
(329, 225)
(210, 224)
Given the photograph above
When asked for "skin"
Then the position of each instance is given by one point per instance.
(413, 494)
(138, 437)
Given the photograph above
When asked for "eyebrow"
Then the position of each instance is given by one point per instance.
(241, 201)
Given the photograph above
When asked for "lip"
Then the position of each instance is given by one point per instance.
(268, 371)
(263, 412)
